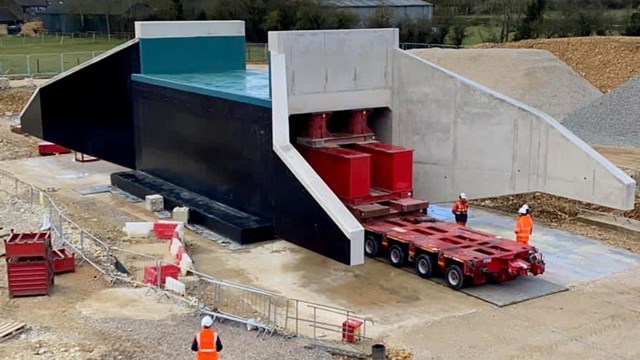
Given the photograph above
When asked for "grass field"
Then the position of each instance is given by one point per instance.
(47, 55)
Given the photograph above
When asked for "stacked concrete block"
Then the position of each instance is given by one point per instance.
(154, 203)
(4, 83)
(181, 214)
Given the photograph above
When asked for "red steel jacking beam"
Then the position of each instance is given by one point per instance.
(317, 128)
(358, 122)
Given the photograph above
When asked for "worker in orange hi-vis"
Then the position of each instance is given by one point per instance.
(207, 342)
(460, 209)
(524, 226)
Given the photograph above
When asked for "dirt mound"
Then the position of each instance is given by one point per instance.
(32, 28)
(534, 77)
(605, 61)
(12, 101)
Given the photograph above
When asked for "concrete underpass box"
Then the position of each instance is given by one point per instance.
(180, 214)
(154, 203)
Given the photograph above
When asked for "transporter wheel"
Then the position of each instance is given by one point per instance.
(454, 277)
(424, 266)
(396, 256)
(371, 247)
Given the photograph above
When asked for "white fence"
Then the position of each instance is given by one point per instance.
(224, 300)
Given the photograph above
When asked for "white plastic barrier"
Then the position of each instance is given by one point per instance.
(186, 265)
(175, 247)
(138, 229)
(176, 286)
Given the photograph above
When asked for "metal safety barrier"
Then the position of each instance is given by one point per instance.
(259, 309)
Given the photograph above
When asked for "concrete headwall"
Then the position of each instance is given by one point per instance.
(336, 69)
(469, 138)
(335, 211)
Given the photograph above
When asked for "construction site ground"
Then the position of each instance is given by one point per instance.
(594, 319)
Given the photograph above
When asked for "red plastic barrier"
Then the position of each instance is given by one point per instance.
(164, 230)
(47, 148)
(181, 251)
(151, 274)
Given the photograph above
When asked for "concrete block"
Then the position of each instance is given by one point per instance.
(154, 203)
(138, 229)
(4, 83)
(181, 214)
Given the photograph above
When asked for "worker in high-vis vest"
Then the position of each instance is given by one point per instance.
(206, 343)
(460, 209)
(524, 226)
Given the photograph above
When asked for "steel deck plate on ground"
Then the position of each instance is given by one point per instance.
(513, 292)
(502, 294)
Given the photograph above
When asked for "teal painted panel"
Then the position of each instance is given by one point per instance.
(192, 55)
(251, 87)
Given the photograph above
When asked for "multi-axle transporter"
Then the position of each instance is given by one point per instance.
(374, 180)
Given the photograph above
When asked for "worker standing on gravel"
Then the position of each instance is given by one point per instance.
(207, 342)
(524, 226)
(460, 209)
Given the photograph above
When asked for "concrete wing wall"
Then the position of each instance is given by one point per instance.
(337, 69)
(470, 138)
(306, 225)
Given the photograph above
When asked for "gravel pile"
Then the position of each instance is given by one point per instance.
(606, 61)
(612, 120)
(534, 77)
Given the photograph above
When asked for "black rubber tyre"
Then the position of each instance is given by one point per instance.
(424, 266)
(396, 256)
(371, 246)
(454, 277)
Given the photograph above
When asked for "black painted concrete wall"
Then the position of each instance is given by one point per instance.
(223, 150)
(214, 147)
(89, 110)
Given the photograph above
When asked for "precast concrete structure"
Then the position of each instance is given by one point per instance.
(197, 127)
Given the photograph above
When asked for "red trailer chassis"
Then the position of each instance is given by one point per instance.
(463, 255)
(395, 223)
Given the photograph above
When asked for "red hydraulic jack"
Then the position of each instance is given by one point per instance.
(358, 123)
(317, 134)
(318, 126)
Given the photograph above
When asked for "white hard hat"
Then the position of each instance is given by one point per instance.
(522, 211)
(463, 196)
(207, 321)
(525, 206)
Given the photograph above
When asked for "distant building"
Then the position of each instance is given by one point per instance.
(400, 9)
(7, 17)
(92, 15)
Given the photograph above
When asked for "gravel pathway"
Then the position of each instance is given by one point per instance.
(612, 120)
(171, 339)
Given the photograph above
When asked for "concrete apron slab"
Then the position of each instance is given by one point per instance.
(570, 259)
